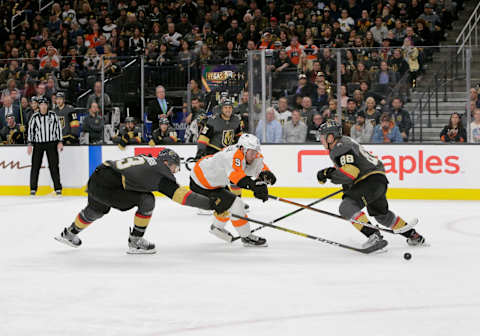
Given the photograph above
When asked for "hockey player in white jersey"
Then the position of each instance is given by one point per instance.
(241, 164)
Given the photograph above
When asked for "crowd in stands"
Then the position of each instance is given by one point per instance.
(57, 49)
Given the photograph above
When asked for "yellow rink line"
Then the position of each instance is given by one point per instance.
(288, 192)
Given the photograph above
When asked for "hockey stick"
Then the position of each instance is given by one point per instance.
(320, 239)
(294, 212)
(368, 224)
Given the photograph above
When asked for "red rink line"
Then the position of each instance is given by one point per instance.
(314, 315)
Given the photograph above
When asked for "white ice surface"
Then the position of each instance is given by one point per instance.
(198, 285)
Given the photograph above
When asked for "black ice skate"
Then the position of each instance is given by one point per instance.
(375, 242)
(254, 241)
(416, 239)
(139, 245)
(221, 233)
(69, 238)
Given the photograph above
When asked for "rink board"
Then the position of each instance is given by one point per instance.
(414, 171)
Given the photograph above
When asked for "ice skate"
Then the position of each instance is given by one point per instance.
(69, 238)
(221, 233)
(375, 242)
(139, 245)
(416, 239)
(254, 241)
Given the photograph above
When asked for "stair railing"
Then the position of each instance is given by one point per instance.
(468, 34)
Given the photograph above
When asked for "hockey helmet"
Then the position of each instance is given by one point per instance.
(162, 121)
(331, 127)
(170, 156)
(129, 119)
(249, 141)
(227, 102)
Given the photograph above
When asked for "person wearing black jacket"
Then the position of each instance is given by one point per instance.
(401, 117)
(93, 124)
(454, 131)
(160, 108)
(44, 135)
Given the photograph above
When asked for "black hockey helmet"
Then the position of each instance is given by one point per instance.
(129, 119)
(170, 156)
(331, 127)
(227, 102)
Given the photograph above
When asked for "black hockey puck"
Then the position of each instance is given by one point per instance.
(407, 256)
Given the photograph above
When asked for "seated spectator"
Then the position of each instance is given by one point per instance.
(284, 113)
(379, 31)
(343, 97)
(313, 133)
(361, 74)
(349, 116)
(384, 76)
(196, 110)
(273, 128)
(304, 88)
(12, 133)
(307, 110)
(282, 62)
(128, 134)
(159, 108)
(8, 108)
(474, 97)
(359, 99)
(172, 38)
(362, 131)
(454, 131)
(401, 117)
(475, 127)
(372, 112)
(294, 51)
(93, 125)
(386, 132)
(295, 130)
(321, 97)
(164, 135)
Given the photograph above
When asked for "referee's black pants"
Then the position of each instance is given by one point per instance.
(37, 157)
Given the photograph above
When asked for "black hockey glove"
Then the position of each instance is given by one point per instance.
(268, 177)
(200, 154)
(325, 174)
(260, 190)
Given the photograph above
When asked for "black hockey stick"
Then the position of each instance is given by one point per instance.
(294, 212)
(320, 239)
(368, 224)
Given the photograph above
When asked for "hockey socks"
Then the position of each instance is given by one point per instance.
(80, 223)
(362, 217)
(140, 222)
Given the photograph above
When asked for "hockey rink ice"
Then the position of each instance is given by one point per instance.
(198, 285)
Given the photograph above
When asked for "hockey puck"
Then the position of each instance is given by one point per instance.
(407, 256)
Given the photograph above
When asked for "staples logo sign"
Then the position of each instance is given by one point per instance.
(404, 165)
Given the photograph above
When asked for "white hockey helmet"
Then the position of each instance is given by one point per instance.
(249, 141)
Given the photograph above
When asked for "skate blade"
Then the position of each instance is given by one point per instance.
(222, 236)
(255, 246)
(139, 251)
(65, 241)
(205, 213)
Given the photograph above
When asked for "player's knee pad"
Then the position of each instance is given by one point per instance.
(92, 213)
(348, 208)
(386, 219)
(146, 204)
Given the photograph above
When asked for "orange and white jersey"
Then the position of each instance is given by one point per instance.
(228, 165)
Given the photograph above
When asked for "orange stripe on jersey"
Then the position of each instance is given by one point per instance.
(238, 172)
(199, 174)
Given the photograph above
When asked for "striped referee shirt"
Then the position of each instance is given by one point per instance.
(44, 128)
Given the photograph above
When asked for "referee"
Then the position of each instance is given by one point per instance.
(44, 135)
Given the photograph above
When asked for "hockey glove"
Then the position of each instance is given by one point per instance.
(267, 176)
(260, 190)
(324, 174)
(200, 154)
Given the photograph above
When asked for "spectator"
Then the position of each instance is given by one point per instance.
(384, 76)
(349, 116)
(172, 38)
(136, 43)
(282, 62)
(196, 110)
(159, 108)
(304, 88)
(372, 112)
(11, 85)
(284, 113)
(379, 31)
(362, 131)
(346, 22)
(294, 51)
(361, 74)
(273, 128)
(8, 108)
(164, 135)
(295, 130)
(307, 110)
(475, 127)
(410, 53)
(474, 97)
(96, 97)
(93, 125)
(313, 133)
(321, 97)
(401, 117)
(454, 131)
(343, 97)
(242, 109)
(12, 133)
(128, 134)
(386, 132)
